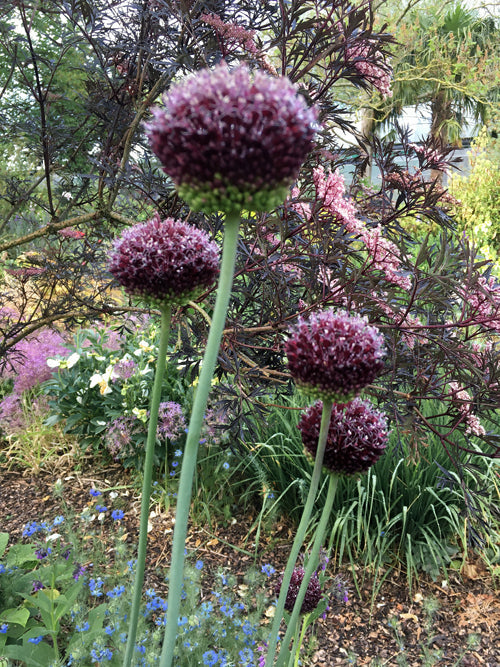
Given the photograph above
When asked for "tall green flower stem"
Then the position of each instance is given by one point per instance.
(297, 644)
(301, 530)
(230, 244)
(166, 313)
(310, 568)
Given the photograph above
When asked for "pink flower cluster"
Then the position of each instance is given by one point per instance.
(232, 32)
(372, 67)
(484, 300)
(235, 35)
(464, 400)
(330, 190)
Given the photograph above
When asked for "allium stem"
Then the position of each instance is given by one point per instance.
(297, 644)
(166, 312)
(301, 531)
(231, 228)
(311, 566)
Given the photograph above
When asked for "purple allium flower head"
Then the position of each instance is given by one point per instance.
(164, 262)
(313, 593)
(334, 355)
(230, 139)
(357, 435)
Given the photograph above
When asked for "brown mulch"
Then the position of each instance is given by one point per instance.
(355, 633)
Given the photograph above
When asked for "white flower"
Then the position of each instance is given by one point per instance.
(67, 195)
(144, 346)
(103, 380)
(53, 363)
(72, 360)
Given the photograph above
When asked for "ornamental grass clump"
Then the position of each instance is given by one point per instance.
(232, 139)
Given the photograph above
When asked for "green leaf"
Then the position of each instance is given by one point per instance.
(20, 554)
(19, 615)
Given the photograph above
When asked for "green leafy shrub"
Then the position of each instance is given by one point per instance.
(102, 392)
(478, 194)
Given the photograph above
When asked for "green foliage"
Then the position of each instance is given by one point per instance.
(102, 392)
(478, 209)
(406, 507)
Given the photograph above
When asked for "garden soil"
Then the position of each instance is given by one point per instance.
(395, 627)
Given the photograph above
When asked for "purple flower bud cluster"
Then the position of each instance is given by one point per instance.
(230, 139)
(357, 436)
(164, 262)
(313, 593)
(334, 355)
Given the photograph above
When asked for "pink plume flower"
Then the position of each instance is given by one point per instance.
(164, 262)
(334, 355)
(357, 436)
(230, 139)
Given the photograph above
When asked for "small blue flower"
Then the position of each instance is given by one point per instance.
(225, 465)
(210, 658)
(268, 570)
(116, 592)
(101, 508)
(3, 628)
(83, 627)
(35, 640)
(2, 568)
(175, 464)
(199, 564)
(95, 587)
(117, 515)
(95, 493)
(246, 657)
(58, 521)
(178, 452)
(34, 527)
(109, 629)
(41, 554)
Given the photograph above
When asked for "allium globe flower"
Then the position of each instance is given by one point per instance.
(164, 261)
(357, 436)
(313, 593)
(230, 139)
(334, 355)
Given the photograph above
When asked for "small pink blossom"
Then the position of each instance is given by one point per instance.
(330, 190)
(464, 400)
(372, 66)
